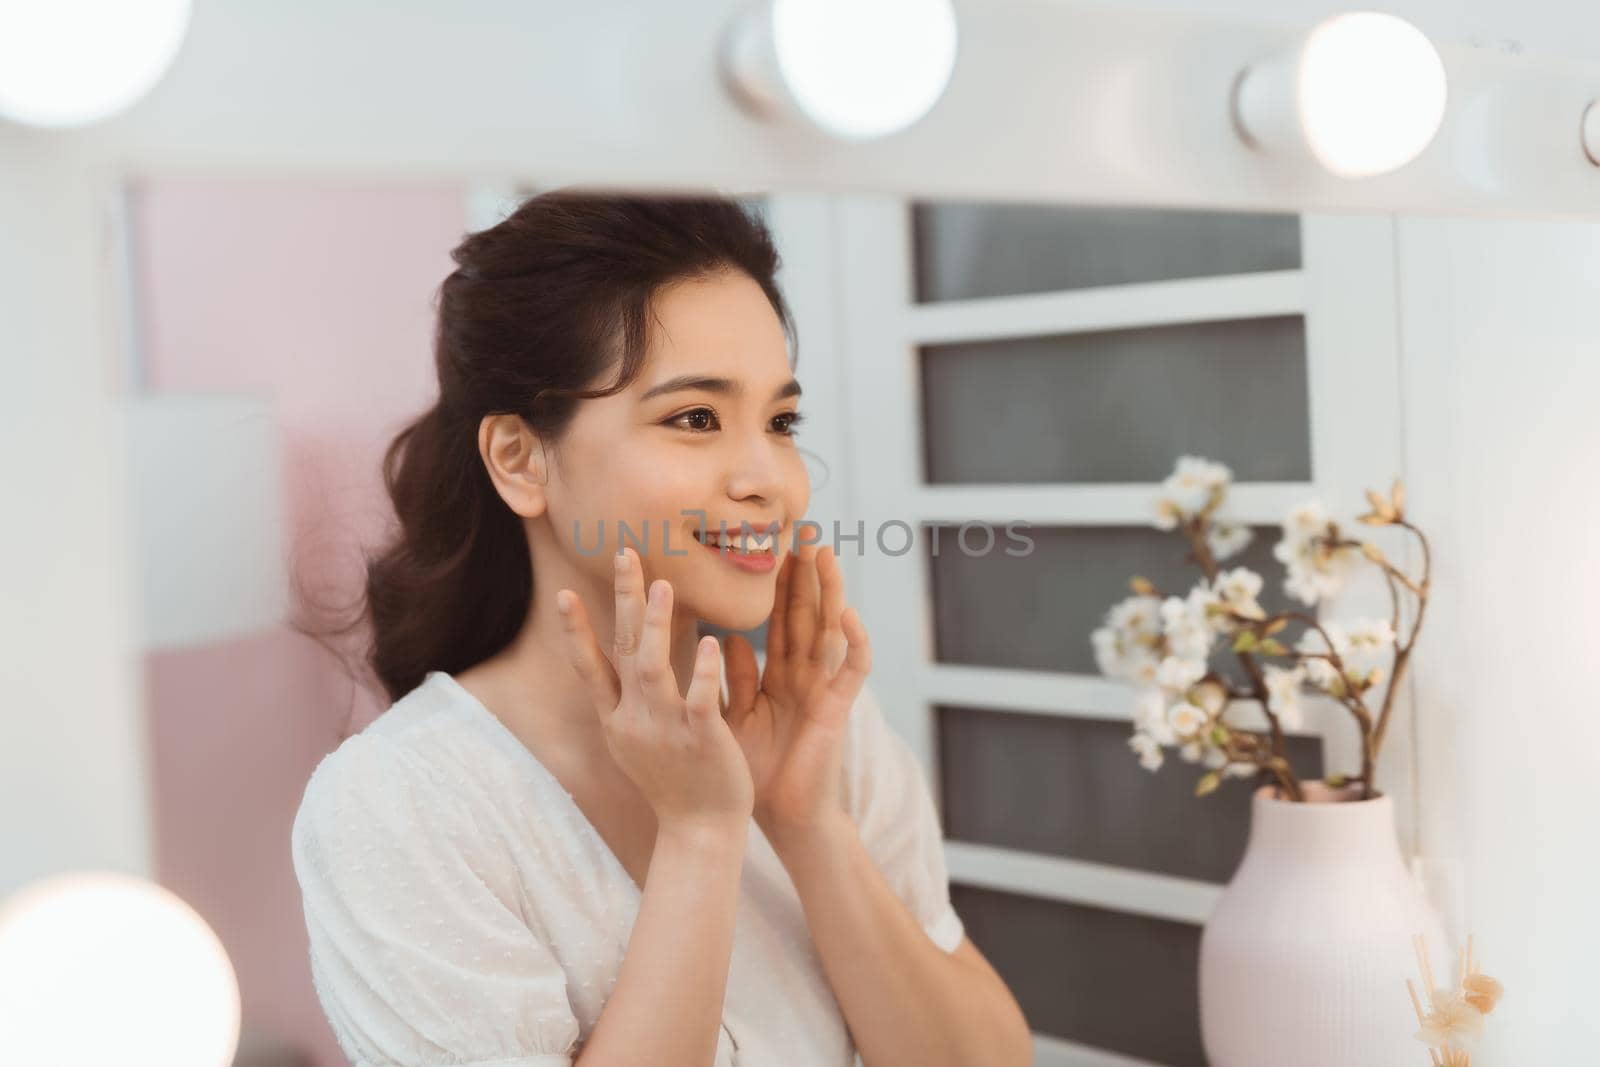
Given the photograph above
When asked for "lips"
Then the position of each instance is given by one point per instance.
(759, 541)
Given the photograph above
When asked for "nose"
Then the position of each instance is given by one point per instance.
(756, 471)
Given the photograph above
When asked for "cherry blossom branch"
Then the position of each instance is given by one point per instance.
(1277, 762)
(1402, 653)
(1350, 697)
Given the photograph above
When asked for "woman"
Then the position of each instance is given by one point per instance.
(576, 836)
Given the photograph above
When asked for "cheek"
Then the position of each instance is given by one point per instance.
(797, 486)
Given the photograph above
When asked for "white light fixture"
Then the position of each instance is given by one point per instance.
(1591, 132)
(856, 69)
(204, 473)
(74, 62)
(100, 967)
(1361, 94)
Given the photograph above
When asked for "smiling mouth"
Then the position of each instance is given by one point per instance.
(736, 543)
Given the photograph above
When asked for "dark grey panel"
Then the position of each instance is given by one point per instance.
(1071, 787)
(966, 250)
(1120, 982)
(1119, 406)
(1036, 611)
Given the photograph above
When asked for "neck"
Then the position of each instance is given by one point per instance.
(532, 683)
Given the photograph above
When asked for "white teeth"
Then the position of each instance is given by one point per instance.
(755, 544)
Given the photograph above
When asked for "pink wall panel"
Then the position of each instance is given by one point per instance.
(319, 295)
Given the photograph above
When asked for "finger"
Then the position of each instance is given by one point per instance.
(744, 676)
(704, 700)
(654, 666)
(858, 657)
(583, 653)
(801, 621)
(830, 637)
(777, 624)
(628, 591)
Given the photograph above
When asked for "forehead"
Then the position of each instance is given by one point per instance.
(722, 324)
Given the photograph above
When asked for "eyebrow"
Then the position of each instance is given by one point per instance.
(724, 386)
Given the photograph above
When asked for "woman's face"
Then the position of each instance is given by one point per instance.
(702, 437)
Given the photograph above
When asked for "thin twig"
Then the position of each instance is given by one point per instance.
(1403, 652)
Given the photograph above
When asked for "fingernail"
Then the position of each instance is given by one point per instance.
(561, 602)
(622, 562)
(655, 592)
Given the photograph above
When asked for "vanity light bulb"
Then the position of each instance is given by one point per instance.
(1362, 94)
(856, 69)
(73, 62)
(100, 967)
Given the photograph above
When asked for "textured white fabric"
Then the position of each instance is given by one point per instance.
(463, 911)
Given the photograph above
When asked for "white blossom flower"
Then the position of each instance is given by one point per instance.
(1191, 751)
(1148, 750)
(1178, 673)
(1371, 635)
(1239, 770)
(1305, 520)
(1215, 759)
(1226, 539)
(1186, 719)
(1238, 589)
(1210, 695)
(1312, 572)
(1320, 671)
(1189, 488)
(1189, 634)
(1360, 644)
(1283, 693)
(1126, 646)
(1150, 715)
(1204, 607)
(1136, 615)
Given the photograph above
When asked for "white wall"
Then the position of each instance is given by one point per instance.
(72, 784)
(1501, 360)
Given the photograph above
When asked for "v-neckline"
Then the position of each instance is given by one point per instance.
(547, 779)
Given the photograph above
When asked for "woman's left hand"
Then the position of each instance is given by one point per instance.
(791, 722)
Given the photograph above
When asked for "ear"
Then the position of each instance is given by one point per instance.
(514, 456)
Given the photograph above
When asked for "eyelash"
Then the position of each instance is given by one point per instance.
(794, 417)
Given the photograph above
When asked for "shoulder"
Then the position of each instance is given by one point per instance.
(391, 780)
(363, 789)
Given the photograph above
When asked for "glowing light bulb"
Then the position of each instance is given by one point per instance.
(856, 69)
(1362, 94)
(99, 967)
(74, 62)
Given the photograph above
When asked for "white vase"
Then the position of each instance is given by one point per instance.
(1305, 957)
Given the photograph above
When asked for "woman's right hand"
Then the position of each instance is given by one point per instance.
(678, 750)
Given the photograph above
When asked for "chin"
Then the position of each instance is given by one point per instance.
(739, 612)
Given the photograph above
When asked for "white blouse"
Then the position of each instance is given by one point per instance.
(463, 911)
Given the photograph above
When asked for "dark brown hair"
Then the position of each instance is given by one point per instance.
(539, 307)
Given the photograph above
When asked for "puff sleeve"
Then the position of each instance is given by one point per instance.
(419, 951)
(888, 797)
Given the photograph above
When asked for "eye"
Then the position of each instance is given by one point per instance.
(697, 414)
(790, 420)
(696, 421)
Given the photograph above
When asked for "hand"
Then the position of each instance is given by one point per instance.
(791, 723)
(678, 750)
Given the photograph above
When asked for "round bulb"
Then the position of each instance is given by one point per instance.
(73, 62)
(864, 68)
(1371, 93)
(98, 967)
